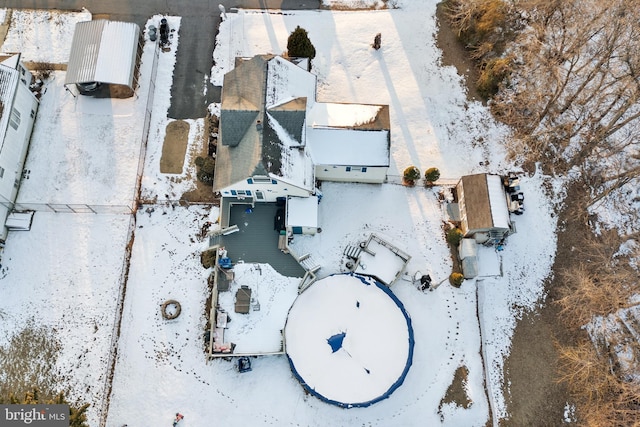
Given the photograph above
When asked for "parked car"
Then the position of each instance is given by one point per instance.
(87, 87)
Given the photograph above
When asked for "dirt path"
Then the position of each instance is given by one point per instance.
(535, 397)
(454, 53)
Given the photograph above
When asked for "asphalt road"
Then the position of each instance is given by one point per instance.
(191, 92)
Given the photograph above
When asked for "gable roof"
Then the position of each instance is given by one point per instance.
(286, 82)
(349, 134)
(103, 51)
(485, 201)
(264, 103)
(271, 124)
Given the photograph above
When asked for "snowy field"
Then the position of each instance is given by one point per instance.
(162, 362)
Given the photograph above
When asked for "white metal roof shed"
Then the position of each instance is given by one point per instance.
(103, 51)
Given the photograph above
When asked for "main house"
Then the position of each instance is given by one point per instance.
(275, 140)
(18, 107)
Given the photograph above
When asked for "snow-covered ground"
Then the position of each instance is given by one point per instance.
(161, 367)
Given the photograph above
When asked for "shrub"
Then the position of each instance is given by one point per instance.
(494, 72)
(411, 174)
(208, 258)
(456, 279)
(299, 45)
(206, 167)
(478, 21)
(431, 175)
(454, 236)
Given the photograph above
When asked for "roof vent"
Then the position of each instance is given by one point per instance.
(259, 125)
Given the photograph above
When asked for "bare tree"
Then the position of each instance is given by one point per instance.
(600, 283)
(575, 84)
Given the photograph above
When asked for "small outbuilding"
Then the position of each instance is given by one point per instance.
(104, 58)
(484, 213)
(467, 251)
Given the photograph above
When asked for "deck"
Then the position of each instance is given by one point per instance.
(257, 241)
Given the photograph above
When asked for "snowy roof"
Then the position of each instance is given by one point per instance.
(349, 340)
(325, 114)
(153, 353)
(302, 211)
(467, 248)
(103, 51)
(11, 60)
(286, 81)
(335, 146)
(264, 100)
(497, 201)
(9, 76)
(485, 201)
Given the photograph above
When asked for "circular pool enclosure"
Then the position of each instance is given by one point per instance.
(349, 340)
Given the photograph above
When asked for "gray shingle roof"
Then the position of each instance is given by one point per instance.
(248, 143)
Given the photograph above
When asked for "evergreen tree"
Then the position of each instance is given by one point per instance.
(299, 45)
(431, 175)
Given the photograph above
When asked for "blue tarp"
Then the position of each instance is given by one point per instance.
(335, 341)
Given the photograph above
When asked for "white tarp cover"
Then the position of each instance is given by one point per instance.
(468, 248)
(103, 51)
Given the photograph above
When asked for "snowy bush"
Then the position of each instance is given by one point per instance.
(411, 174)
(456, 279)
(431, 175)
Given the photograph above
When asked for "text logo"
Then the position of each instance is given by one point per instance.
(34, 415)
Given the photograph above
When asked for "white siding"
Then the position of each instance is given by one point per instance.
(340, 173)
(271, 189)
(14, 150)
